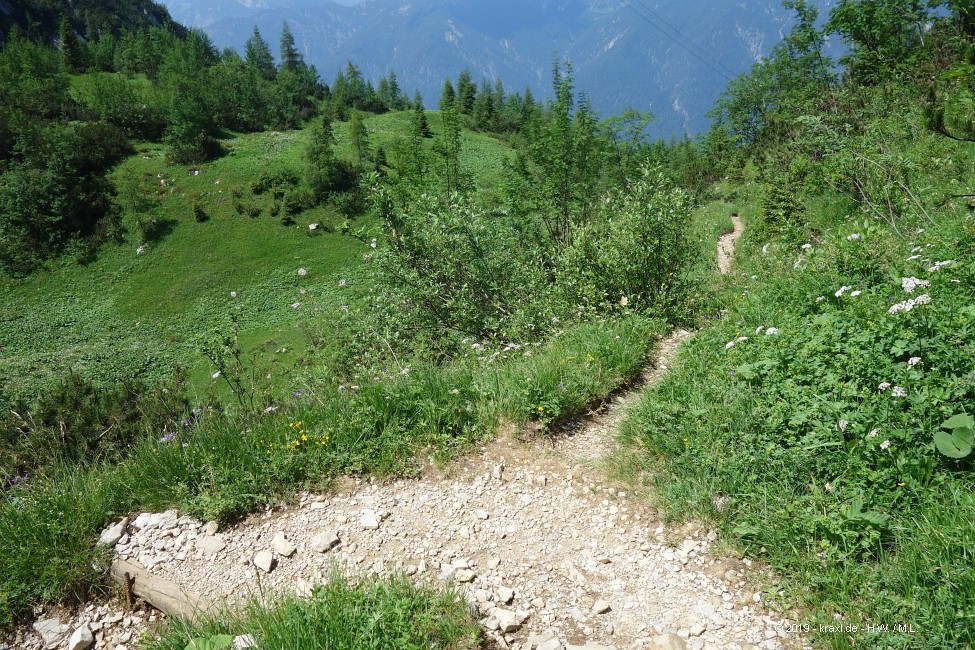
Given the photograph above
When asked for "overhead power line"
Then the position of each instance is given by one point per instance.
(653, 19)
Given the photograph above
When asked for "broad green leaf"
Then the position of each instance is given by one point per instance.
(960, 421)
(951, 445)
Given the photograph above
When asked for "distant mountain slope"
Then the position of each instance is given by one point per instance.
(40, 18)
(672, 57)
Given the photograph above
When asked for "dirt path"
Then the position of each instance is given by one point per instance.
(726, 244)
(546, 551)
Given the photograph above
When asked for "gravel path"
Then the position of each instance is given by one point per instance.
(547, 552)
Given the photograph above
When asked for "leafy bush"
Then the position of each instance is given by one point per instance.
(637, 252)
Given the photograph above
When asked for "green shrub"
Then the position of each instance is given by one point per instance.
(79, 422)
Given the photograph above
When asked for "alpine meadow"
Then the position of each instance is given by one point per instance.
(295, 362)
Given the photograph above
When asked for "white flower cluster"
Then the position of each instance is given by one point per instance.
(908, 305)
(910, 284)
(913, 361)
(842, 290)
(854, 237)
(731, 344)
(302, 272)
(938, 265)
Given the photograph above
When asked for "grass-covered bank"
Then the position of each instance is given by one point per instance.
(823, 420)
(224, 466)
(389, 613)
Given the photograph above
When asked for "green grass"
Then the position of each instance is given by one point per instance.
(388, 613)
(129, 315)
(224, 466)
(788, 443)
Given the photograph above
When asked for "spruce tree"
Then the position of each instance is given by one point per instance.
(291, 59)
(69, 47)
(359, 135)
(448, 97)
(466, 92)
(258, 55)
(418, 121)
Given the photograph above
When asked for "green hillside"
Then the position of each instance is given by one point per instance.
(355, 286)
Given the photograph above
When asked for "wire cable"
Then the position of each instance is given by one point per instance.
(686, 44)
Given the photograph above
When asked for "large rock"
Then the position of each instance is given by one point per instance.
(52, 632)
(82, 639)
(111, 535)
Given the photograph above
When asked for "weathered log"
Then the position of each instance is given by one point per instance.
(164, 595)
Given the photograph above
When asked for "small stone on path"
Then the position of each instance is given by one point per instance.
(264, 561)
(82, 639)
(369, 520)
(282, 546)
(324, 542)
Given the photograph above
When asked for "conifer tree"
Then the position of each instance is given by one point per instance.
(466, 92)
(69, 47)
(359, 135)
(448, 97)
(291, 59)
(257, 53)
(418, 121)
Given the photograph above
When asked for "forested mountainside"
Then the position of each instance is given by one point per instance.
(671, 58)
(87, 18)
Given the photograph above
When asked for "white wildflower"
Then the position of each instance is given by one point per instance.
(270, 409)
(759, 329)
(938, 265)
(910, 284)
(765, 249)
(820, 299)
(729, 345)
(883, 386)
(898, 391)
(854, 237)
(302, 272)
(913, 257)
(842, 425)
(873, 433)
(806, 247)
(372, 244)
(885, 444)
(842, 290)
(295, 305)
(798, 263)
(913, 361)
(215, 375)
(454, 391)
(140, 250)
(772, 331)
(233, 294)
(854, 294)
(624, 301)
(741, 339)
(923, 299)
